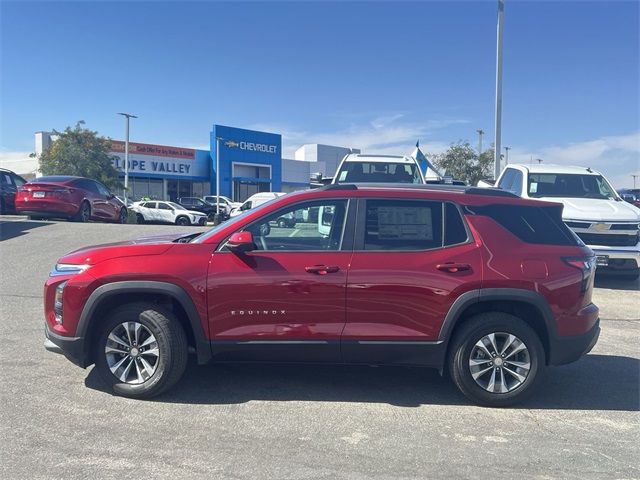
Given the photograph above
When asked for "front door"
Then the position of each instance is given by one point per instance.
(284, 301)
(408, 267)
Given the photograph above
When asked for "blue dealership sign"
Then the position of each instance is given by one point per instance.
(246, 156)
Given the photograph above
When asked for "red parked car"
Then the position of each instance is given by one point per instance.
(480, 282)
(75, 198)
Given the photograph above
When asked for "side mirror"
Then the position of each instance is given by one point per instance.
(241, 242)
(110, 196)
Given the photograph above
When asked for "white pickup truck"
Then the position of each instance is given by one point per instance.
(592, 209)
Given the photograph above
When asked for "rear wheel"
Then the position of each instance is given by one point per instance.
(141, 351)
(84, 214)
(496, 359)
(182, 221)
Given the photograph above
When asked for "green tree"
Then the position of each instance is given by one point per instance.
(462, 162)
(82, 152)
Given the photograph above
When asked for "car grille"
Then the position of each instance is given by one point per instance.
(608, 239)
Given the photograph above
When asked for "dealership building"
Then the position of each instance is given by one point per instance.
(250, 162)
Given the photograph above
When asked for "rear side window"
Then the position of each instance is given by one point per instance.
(403, 225)
(454, 229)
(507, 179)
(542, 225)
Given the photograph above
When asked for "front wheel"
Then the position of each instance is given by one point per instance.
(141, 351)
(139, 218)
(496, 359)
(123, 216)
(182, 221)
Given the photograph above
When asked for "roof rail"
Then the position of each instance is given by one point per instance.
(339, 186)
(494, 192)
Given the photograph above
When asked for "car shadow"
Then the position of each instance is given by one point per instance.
(612, 282)
(596, 382)
(12, 229)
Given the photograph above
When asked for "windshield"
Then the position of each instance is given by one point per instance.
(569, 186)
(176, 206)
(379, 172)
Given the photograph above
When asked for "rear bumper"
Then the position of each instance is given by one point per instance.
(571, 348)
(46, 208)
(70, 347)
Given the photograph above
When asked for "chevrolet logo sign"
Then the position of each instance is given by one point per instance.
(600, 227)
(231, 144)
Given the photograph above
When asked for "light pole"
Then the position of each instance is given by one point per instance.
(539, 160)
(498, 149)
(127, 116)
(216, 220)
(480, 134)
(506, 155)
(634, 180)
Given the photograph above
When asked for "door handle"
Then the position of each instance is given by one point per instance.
(453, 267)
(322, 269)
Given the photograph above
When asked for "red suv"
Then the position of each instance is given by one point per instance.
(480, 282)
(75, 198)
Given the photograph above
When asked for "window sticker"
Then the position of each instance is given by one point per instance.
(407, 223)
(343, 176)
(533, 188)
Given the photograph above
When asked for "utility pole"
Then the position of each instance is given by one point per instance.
(480, 134)
(127, 116)
(506, 155)
(634, 180)
(498, 130)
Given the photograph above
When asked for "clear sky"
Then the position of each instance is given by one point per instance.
(376, 76)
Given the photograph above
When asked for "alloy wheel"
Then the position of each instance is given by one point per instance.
(499, 362)
(132, 353)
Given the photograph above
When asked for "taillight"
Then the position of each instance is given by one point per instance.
(587, 265)
(60, 192)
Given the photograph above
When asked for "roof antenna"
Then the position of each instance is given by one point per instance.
(589, 170)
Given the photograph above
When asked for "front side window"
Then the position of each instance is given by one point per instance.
(379, 172)
(569, 186)
(102, 189)
(309, 226)
(164, 206)
(403, 225)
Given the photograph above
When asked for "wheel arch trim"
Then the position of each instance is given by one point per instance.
(177, 293)
(472, 297)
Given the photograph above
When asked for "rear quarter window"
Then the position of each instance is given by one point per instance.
(541, 225)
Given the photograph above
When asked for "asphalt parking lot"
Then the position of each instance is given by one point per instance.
(285, 422)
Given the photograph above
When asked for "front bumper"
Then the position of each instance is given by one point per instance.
(71, 347)
(628, 256)
(570, 348)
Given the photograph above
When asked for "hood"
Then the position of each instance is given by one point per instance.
(194, 212)
(598, 210)
(154, 245)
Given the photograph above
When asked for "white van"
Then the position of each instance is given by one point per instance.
(361, 168)
(255, 200)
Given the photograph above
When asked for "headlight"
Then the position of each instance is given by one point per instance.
(67, 269)
(57, 302)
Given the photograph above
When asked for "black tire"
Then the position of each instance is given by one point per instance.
(183, 221)
(34, 217)
(463, 345)
(124, 216)
(171, 343)
(84, 213)
(139, 218)
(282, 223)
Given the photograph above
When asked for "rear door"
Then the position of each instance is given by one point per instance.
(411, 260)
(285, 300)
(165, 213)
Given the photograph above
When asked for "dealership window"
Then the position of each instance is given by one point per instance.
(200, 189)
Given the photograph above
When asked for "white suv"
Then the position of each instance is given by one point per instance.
(360, 168)
(592, 209)
(167, 212)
